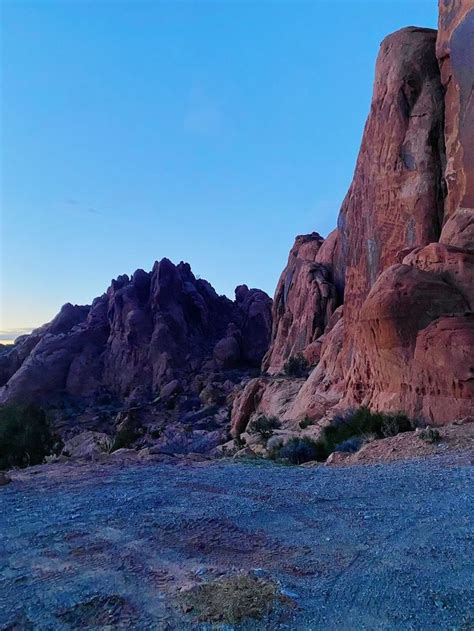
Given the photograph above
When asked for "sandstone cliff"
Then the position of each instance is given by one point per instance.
(401, 260)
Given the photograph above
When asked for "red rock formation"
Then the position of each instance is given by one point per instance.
(455, 51)
(403, 253)
(395, 199)
(401, 260)
(143, 333)
(397, 362)
(305, 299)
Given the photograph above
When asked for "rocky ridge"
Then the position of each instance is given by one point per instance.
(159, 352)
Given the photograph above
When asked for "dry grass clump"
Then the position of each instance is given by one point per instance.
(230, 599)
(429, 434)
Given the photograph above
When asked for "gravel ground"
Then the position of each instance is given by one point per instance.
(366, 547)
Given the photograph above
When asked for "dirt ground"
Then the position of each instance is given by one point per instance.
(455, 438)
(383, 546)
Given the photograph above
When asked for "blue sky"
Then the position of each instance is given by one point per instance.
(211, 132)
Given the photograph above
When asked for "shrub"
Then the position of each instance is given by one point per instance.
(306, 422)
(239, 442)
(429, 434)
(299, 450)
(351, 445)
(25, 436)
(394, 424)
(361, 422)
(296, 366)
(124, 438)
(264, 425)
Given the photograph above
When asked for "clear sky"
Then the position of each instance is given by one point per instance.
(211, 132)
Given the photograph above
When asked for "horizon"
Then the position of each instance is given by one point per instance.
(138, 129)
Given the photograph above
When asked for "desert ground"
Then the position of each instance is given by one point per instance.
(108, 546)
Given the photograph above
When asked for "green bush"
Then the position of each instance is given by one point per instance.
(394, 424)
(264, 425)
(296, 366)
(306, 422)
(351, 445)
(362, 422)
(345, 433)
(299, 450)
(25, 436)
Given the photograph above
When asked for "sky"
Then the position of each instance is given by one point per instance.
(207, 131)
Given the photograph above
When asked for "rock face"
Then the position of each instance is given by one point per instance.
(401, 260)
(305, 299)
(455, 52)
(411, 340)
(395, 200)
(154, 333)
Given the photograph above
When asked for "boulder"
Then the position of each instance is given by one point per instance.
(171, 388)
(87, 445)
(4, 479)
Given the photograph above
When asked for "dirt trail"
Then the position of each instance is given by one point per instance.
(366, 547)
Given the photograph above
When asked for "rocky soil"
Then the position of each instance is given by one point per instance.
(363, 547)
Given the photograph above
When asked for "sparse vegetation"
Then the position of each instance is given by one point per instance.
(306, 422)
(362, 422)
(264, 426)
(296, 366)
(351, 445)
(25, 436)
(346, 433)
(299, 450)
(239, 442)
(429, 434)
(230, 600)
(124, 438)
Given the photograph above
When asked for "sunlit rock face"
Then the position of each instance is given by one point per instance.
(401, 260)
(381, 309)
(413, 342)
(395, 200)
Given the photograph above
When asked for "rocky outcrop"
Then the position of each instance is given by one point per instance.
(144, 332)
(401, 260)
(382, 309)
(304, 301)
(159, 334)
(412, 341)
(455, 52)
